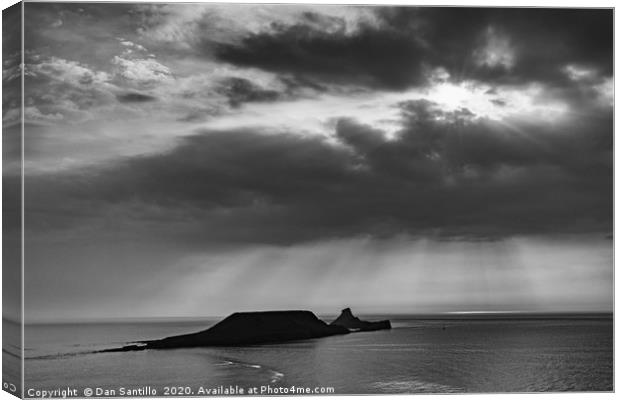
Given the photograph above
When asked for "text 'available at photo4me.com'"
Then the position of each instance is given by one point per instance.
(150, 391)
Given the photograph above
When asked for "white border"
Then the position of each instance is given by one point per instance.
(479, 3)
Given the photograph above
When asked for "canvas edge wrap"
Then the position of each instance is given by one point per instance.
(12, 196)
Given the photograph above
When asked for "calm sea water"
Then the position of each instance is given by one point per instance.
(417, 355)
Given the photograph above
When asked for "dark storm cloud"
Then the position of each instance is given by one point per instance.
(445, 174)
(385, 57)
(239, 91)
(408, 42)
(135, 98)
(544, 41)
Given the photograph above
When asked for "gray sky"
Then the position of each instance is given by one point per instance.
(193, 159)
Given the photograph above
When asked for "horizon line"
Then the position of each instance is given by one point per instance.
(395, 314)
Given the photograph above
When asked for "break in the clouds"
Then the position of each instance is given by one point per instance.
(168, 144)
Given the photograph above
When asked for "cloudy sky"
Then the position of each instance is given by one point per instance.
(195, 159)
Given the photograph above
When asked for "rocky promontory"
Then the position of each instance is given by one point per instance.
(261, 327)
(346, 319)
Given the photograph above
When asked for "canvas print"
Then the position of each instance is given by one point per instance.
(293, 199)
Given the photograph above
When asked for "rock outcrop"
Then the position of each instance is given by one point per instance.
(346, 319)
(249, 328)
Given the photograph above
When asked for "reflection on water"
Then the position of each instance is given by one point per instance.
(435, 355)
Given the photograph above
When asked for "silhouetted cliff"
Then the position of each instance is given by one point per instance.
(247, 328)
(347, 320)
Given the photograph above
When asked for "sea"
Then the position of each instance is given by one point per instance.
(421, 354)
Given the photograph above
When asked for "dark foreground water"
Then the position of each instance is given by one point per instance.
(417, 355)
